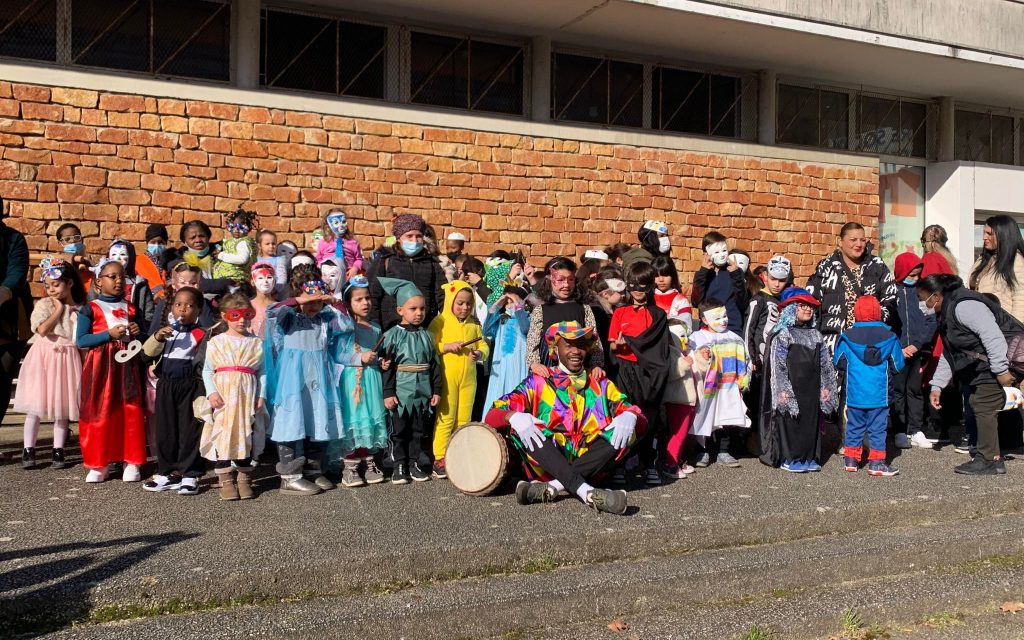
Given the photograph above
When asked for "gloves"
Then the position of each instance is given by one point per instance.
(622, 428)
(525, 427)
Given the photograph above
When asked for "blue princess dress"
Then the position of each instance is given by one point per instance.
(362, 392)
(508, 357)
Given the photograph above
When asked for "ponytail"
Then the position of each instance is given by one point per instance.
(940, 283)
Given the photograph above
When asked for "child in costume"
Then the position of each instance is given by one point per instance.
(867, 355)
(174, 348)
(799, 386)
(196, 235)
(721, 363)
(506, 326)
(111, 415)
(668, 295)
(366, 429)
(264, 281)
(302, 380)
(234, 380)
(560, 302)
(238, 252)
(451, 331)
(762, 316)
(339, 243)
(181, 275)
(719, 277)
(412, 384)
(136, 289)
(50, 378)
(640, 339)
(333, 277)
(608, 292)
(680, 402)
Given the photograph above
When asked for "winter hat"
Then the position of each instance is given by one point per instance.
(797, 294)
(156, 230)
(905, 263)
(867, 309)
(406, 222)
(779, 267)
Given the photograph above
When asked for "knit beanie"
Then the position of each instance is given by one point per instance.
(867, 309)
(156, 230)
(406, 222)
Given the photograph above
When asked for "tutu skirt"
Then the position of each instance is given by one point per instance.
(50, 381)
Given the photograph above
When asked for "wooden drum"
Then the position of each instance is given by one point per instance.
(476, 459)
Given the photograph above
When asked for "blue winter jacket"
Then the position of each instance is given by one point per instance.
(916, 328)
(870, 353)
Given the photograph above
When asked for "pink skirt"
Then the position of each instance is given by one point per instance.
(50, 380)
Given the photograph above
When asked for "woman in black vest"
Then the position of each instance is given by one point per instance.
(975, 332)
(560, 303)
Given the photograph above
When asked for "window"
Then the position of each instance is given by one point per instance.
(983, 137)
(597, 90)
(185, 38)
(813, 117)
(695, 102)
(891, 126)
(28, 29)
(465, 73)
(315, 53)
(901, 191)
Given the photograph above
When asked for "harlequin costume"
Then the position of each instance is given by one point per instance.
(458, 384)
(112, 420)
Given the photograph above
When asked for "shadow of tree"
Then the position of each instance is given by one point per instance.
(62, 596)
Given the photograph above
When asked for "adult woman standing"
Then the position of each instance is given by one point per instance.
(974, 333)
(1000, 270)
(937, 258)
(850, 272)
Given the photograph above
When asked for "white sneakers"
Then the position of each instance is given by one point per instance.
(131, 473)
(96, 475)
(920, 441)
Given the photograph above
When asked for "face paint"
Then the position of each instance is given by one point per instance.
(338, 223)
(742, 261)
(119, 253)
(719, 253)
(717, 319)
(331, 275)
(263, 280)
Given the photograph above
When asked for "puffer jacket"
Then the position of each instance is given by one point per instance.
(423, 270)
(827, 285)
(1010, 299)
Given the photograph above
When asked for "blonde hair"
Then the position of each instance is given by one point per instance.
(934, 238)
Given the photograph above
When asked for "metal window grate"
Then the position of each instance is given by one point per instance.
(983, 137)
(701, 103)
(322, 54)
(890, 125)
(813, 117)
(28, 29)
(187, 38)
(465, 73)
(597, 90)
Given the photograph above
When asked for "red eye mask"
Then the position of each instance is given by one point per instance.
(234, 315)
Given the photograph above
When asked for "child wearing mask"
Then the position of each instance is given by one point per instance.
(719, 277)
(917, 337)
(654, 241)
(152, 264)
(136, 289)
(339, 243)
(238, 252)
(69, 236)
(264, 282)
(507, 324)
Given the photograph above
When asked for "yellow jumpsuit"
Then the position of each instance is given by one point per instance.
(458, 382)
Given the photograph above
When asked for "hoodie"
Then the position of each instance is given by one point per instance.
(447, 328)
(913, 327)
(864, 352)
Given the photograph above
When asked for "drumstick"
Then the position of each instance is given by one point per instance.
(377, 346)
(465, 344)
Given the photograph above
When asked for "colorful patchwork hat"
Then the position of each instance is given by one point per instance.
(570, 330)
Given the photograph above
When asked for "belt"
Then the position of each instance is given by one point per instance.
(248, 370)
(412, 368)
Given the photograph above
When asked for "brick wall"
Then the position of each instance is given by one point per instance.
(113, 163)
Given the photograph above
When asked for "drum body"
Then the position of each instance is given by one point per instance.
(476, 459)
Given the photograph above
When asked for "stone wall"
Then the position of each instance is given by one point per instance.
(114, 163)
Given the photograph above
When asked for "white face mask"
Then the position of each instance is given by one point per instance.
(119, 253)
(664, 244)
(330, 274)
(925, 309)
(742, 261)
(286, 250)
(297, 260)
(263, 281)
(719, 253)
(717, 319)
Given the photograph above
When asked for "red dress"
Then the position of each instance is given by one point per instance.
(112, 423)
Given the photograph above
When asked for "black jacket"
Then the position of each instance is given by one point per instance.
(423, 270)
(14, 276)
(714, 283)
(961, 346)
(762, 316)
(827, 285)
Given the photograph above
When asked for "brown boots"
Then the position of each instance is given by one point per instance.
(236, 488)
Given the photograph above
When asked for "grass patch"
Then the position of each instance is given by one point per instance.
(541, 564)
(988, 563)
(944, 619)
(757, 632)
(854, 627)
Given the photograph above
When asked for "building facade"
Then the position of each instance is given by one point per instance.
(551, 126)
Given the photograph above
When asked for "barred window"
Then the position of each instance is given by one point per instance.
(983, 137)
(891, 126)
(187, 38)
(466, 74)
(328, 55)
(28, 29)
(694, 102)
(813, 117)
(598, 90)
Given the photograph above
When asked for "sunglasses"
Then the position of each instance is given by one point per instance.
(234, 315)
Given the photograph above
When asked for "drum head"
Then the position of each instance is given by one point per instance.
(476, 459)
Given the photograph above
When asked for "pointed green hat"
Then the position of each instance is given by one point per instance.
(402, 290)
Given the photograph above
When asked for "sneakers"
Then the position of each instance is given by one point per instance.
(619, 477)
(964, 446)
(673, 473)
(793, 466)
(400, 475)
(687, 470)
(852, 464)
(652, 477)
(58, 461)
(350, 474)
(28, 458)
(372, 474)
(534, 492)
(812, 466)
(440, 471)
(189, 487)
(159, 483)
(131, 473)
(880, 468)
(608, 501)
(920, 441)
(728, 460)
(418, 474)
(902, 441)
(96, 475)
(979, 466)
(703, 461)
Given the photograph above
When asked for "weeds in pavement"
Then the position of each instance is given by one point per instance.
(757, 632)
(944, 619)
(854, 628)
(542, 564)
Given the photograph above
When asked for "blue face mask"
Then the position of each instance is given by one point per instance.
(155, 248)
(411, 248)
(201, 254)
(910, 282)
(74, 247)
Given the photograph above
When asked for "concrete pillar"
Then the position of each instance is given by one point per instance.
(767, 103)
(540, 79)
(245, 43)
(946, 138)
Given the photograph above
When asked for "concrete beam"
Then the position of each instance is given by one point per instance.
(245, 43)
(767, 104)
(947, 127)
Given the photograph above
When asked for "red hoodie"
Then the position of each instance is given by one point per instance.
(905, 263)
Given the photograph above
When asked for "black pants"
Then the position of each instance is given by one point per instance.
(409, 438)
(177, 430)
(724, 440)
(574, 474)
(987, 401)
(10, 357)
(224, 464)
(908, 399)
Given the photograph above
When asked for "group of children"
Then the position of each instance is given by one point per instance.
(203, 354)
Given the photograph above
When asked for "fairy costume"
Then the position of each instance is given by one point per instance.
(111, 415)
(233, 368)
(363, 391)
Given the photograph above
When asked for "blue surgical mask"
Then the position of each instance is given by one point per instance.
(201, 254)
(411, 248)
(910, 282)
(74, 247)
(155, 248)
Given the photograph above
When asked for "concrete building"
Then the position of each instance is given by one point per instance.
(555, 125)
